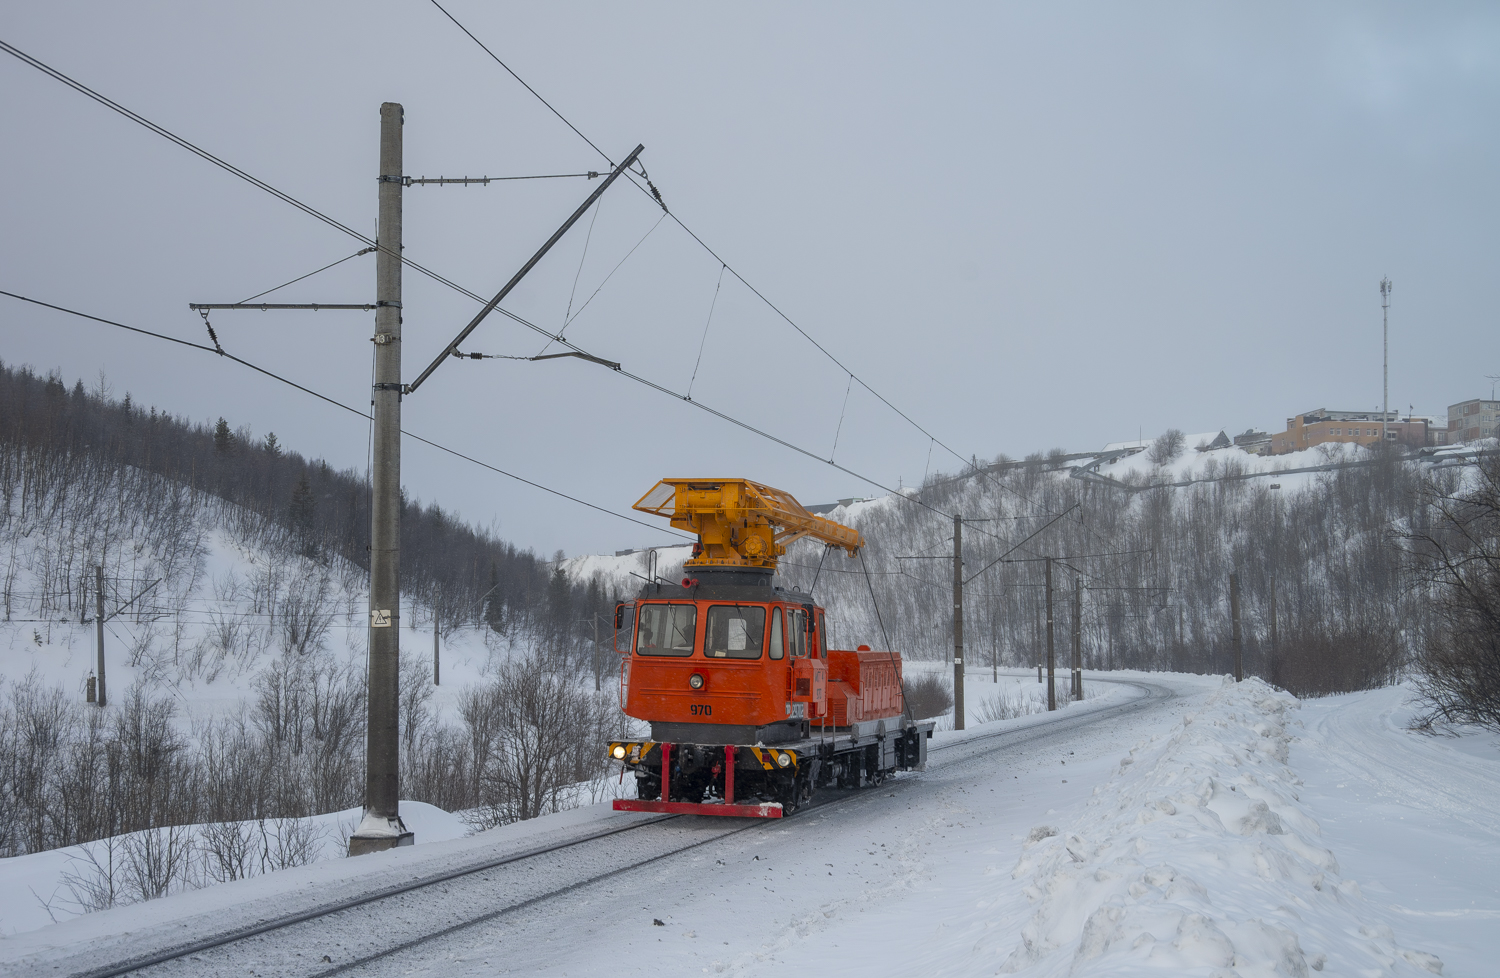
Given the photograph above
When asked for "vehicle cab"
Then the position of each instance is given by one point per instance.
(723, 662)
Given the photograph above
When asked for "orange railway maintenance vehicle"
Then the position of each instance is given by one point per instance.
(751, 709)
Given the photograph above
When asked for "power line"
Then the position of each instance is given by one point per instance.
(326, 219)
(523, 82)
(701, 243)
(228, 167)
(339, 404)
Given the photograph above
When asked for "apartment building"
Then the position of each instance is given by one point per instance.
(1320, 427)
(1472, 420)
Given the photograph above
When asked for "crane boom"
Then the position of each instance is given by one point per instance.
(740, 523)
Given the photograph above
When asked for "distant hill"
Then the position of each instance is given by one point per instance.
(53, 437)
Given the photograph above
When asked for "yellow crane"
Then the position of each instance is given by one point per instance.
(740, 523)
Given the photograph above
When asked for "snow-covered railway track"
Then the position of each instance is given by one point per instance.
(404, 915)
(345, 935)
(1065, 720)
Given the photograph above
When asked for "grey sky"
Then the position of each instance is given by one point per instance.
(1027, 225)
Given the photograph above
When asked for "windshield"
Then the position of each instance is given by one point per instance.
(666, 629)
(734, 632)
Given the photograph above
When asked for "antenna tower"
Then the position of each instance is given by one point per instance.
(1385, 370)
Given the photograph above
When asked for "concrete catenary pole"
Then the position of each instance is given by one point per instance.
(1051, 652)
(1077, 639)
(958, 623)
(1234, 614)
(436, 670)
(99, 627)
(382, 828)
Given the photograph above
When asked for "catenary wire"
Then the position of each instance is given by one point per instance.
(701, 243)
(104, 100)
(338, 404)
(326, 219)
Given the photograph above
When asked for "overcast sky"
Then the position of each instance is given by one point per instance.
(1024, 225)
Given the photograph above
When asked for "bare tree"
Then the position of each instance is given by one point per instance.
(1166, 447)
(1457, 550)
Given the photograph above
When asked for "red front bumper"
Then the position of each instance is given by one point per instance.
(768, 809)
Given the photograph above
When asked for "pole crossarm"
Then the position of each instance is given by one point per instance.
(515, 279)
(486, 181)
(266, 306)
(1022, 543)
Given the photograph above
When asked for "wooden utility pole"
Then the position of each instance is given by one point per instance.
(1234, 614)
(99, 627)
(436, 666)
(382, 828)
(958, 623)
(1051, 653)
(1077, 639)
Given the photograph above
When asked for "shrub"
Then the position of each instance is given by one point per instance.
(929, 694)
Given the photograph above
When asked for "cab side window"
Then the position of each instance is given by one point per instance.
(625, 632)
(798, 622)
(778, 643)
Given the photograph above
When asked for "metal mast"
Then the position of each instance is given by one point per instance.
(1385, 344)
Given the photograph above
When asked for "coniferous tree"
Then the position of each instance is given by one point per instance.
(223, 437)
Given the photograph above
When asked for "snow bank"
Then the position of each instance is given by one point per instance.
(1198, 857)
(56, 884)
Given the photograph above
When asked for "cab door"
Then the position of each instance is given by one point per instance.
(809, 669)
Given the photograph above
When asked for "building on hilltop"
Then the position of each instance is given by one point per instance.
(1472, 420)
(1323, 426)
(1254, 442)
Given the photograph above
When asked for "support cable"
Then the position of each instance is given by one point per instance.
(602, 284)
(905, 703)
(704, 340)
(813, 587)
(573, 292)
(362, 251)
(844, 410)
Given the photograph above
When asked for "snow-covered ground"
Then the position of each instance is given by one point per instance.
(1227, 831)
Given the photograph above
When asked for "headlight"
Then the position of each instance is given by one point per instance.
(619, 752)
(696, 681)
(783, 759)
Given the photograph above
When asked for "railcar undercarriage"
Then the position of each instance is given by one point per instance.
(761, 781)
